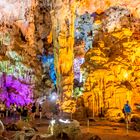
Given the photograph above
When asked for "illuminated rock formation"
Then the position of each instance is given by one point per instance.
(63, 38)
(15, 91)
(112, 65)
(23, 38)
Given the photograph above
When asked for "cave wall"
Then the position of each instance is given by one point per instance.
(107, 30)
(112, 65)
(111, 59)
(16, 77)
(23, 41)
(43, 42)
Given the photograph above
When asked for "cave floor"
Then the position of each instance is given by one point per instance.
(105, 129)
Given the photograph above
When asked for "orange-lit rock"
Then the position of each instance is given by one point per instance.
(111, 71)
(63, 36)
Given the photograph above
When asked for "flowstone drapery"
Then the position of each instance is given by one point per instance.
(112, 63)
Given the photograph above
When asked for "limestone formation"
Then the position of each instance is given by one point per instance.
(26, 37)
(112, 66)
(63, 38)
(65, 129)
(105, 37)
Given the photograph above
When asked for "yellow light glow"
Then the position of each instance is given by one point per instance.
(125, 75)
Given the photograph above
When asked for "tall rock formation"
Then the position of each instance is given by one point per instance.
(63, 39)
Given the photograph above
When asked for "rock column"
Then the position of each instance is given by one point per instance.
(63, 39)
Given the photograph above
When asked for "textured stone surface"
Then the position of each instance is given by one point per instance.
(112, 64)
(26, 35)
(114, 114)
(69, 130)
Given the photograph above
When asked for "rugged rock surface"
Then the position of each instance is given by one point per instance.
(23, 38)
(115, 115)
(66, 129)
(112, 65)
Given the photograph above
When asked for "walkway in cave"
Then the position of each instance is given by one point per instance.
(103, 128)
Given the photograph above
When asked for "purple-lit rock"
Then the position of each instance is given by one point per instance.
(14, 91)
